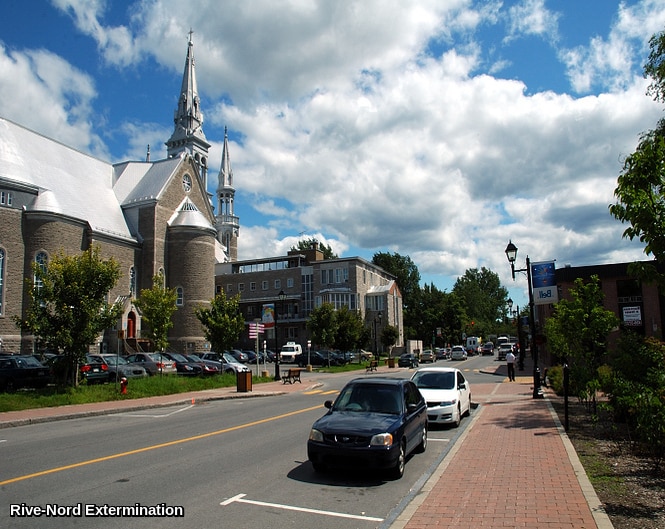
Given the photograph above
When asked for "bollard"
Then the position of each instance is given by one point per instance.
(123, 386)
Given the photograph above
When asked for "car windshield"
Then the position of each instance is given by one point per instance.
(229, 359)
(194, 358)
(157, 357)
(371, 398)
(432, 380)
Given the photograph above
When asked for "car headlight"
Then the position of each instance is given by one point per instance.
(315, 435)
(448, 402)
(382, 439)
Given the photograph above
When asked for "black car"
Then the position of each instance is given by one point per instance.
(374, 423)
(184, 366)
(317, 358)
(407, 360)
(18, 371)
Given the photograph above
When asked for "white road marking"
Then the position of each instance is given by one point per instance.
(241, 499)
(154, 416)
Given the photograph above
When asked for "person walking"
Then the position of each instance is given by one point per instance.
(510, 361)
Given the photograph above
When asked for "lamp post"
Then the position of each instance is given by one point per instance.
(511, 254)
(282, 298)
(377, 319)
(516, 314)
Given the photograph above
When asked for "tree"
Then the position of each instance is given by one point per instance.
(350, 328)
(322, 324)
(309, 243)
(157, 305)
(389, 337)
(577, 331)
(68, 305)
(483, 297)
(222, 322)
(405, 272)
(640, 190)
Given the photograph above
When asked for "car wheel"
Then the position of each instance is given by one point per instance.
(468, 409)
(398, 470)
(423, 441)
(458, 418)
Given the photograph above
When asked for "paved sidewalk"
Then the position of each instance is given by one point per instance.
(513, 466)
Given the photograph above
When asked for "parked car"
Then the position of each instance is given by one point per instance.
(366, 356)
(407, 360)
(184, 366)
(318, 358)
(154, 363)
(427, 356)
(239, 355)
(227, 363)
(447, 393)
(208, 367)
(458, 353)
(19, 371)
(487, 349)
(93, 371)
(119, 367)
(374, 422)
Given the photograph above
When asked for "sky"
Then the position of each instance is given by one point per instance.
(434, 129)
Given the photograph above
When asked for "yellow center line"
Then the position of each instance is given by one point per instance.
(153, 447)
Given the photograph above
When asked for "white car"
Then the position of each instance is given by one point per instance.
(447, 393)
(458, 353)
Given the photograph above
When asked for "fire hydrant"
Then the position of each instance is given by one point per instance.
(123, 386)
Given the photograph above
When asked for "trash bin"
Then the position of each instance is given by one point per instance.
(391, 362)
(244, 381)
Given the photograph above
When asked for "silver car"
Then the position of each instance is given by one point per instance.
(119, 367)
(458, 353)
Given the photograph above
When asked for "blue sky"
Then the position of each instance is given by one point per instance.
(438, 130)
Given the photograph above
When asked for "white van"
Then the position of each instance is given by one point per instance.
(289, 352)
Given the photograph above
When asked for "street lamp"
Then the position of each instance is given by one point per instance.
(377, 319)
(511, 254)
(282, 299)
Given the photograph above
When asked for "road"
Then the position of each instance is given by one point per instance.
(238, 463)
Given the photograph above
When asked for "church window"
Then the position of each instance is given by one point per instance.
(179, 299)
(132, 281)
(41, 259)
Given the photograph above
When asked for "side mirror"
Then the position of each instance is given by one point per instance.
(328, 404)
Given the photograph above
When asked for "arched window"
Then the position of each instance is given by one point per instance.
(2, 281)
(132, 282)
(42, 260)
(179, 300)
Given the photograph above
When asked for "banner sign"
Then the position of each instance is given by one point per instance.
(632, 316)
(268, 315)
(543, 281)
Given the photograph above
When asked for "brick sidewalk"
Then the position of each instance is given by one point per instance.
(513, 467)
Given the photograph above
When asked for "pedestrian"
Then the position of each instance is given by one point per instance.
(510, 361)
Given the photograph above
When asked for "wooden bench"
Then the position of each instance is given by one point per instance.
(291, 376)
(373, 366)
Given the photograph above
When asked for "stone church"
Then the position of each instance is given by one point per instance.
(151, 216)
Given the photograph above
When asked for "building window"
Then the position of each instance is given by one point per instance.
(241, 287)
(289, 282)
(252, 286)
(132, 282)
(229, 288)
(179, 299)
(278, 283)
(218, 289)
(41, 259)
(264, 285)
(250, 311)
(2, 281)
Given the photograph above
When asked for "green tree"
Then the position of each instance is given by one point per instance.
(640, 190)
(308, 243)
(483, 297)
(350, 328)
(577, 332)
(405, 272)
(222, 322)
(68, 305)
(322, 324)
(389, 337)
(157, 305)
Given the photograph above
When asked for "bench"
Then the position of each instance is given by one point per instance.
(291, 376)
(373, 366)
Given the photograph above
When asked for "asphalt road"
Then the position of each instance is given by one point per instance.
(236, 463)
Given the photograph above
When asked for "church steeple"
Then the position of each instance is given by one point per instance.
(227, 224)
(188, 136)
